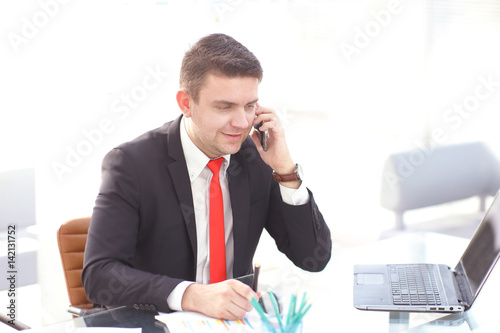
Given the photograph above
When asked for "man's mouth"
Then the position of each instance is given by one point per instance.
(232, 137)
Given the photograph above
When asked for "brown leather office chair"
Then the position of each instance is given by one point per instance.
(72, 238)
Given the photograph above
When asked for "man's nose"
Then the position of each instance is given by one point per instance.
(241, 118)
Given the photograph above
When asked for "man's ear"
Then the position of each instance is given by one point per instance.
(184, 101)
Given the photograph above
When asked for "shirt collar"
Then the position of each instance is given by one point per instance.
(196, 160)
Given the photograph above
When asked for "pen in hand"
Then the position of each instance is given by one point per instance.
(255, 284)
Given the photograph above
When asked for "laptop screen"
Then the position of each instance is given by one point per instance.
(484, 248)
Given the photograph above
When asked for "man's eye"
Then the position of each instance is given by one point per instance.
(250, 106)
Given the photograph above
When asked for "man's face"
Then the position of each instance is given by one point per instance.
(223, 117)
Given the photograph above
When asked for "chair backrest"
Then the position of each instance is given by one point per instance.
(428, 177)
(72, 237)
(417, 179)
(17, 195)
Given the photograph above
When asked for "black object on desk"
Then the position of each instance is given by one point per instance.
(128, 318)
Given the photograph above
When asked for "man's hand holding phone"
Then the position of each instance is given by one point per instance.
(263, 135)
(277, 155)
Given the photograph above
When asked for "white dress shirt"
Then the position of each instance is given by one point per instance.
(200, 177)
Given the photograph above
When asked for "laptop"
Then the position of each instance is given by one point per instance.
(432, 287)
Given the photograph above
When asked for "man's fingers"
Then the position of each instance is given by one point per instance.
(235, 311)
(225, 300)
(245, 294)
(235, 302)
(264, 117)
(256, 140)
(264, 114)
(243, 290)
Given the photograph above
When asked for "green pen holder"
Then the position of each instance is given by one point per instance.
(275, 326)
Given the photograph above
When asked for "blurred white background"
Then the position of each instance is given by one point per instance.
(353, 80)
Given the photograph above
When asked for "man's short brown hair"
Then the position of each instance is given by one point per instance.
(220, 55)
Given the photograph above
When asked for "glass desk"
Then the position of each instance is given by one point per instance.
(118, 317)
(334, 289)
(330, 293)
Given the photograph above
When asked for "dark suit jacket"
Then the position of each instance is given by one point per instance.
(142, 236)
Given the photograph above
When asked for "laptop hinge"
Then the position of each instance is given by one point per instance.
(463, 289)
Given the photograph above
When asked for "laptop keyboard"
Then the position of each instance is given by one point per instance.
(414, 285)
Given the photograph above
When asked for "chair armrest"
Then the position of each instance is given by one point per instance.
(16, 323)
(83, 312)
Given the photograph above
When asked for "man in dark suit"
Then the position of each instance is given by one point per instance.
(149, 239)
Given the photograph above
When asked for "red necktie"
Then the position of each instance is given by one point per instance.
(217, 235)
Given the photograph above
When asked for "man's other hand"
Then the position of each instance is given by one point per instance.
(228, 299)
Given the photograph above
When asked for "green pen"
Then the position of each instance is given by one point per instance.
(291, 308)
(303, 303)
(276, 311)
(298, 317)
(262, 315)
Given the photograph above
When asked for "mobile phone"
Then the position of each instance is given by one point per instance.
(264, 135)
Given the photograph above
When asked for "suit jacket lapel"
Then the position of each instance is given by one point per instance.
(180, 178)
(240, 204)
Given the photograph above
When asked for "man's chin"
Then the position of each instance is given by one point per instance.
(230, 149)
